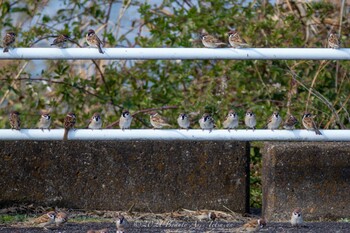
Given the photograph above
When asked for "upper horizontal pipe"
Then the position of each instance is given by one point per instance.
(175, 134)
(177, 54)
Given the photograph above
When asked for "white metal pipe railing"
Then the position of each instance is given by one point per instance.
(177, 54)
(175, 134)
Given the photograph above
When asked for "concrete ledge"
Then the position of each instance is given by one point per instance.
(112, 175)
(310, 175)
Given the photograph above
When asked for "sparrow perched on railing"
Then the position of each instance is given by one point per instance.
(250, 120)
(15, 120)
(61, 218)
(309, 123)
(45, 121)
(121, 224)
(333, 40)
(8, 40)
(69, 122)
(45, 219)
(183, 121)
(231, 120)
(274, 121)
(207, 122)
(253, 225)
(93, 40)
(60, 41)
(235, 40)
(297, 218)
(95, 121)
(210, 41)
(290, 122)
(157, 121)
(125, 120)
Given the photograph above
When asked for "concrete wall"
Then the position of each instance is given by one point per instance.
(312, 176)
(112, 175)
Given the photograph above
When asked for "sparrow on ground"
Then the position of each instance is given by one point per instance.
(60, 41)
(8, 40)
(290, 122)
(207, 122)
(231, 121)
(93, 40)
(250, 120)
(46, 219)
(274, 121)
(297, 218)
(95, 121)
(333, 40)
(121, 223)
(125, 120)
(105, 230)
(252, 226)
(183, 121)
(309, 123)
(210, 41)
(212, 216)
(157, 121)
(15, 121)
(235, 40)
(61, 218)
(45, 121)
(69, 122)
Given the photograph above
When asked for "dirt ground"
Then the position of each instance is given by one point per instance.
(177, 221)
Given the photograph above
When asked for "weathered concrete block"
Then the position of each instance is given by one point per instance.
(113, 175)
(314, 176)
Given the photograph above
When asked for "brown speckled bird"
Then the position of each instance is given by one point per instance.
(8, 40)
(93, 40)
(309, 123)
(235, 40)
(333, 40)
(15, 120)
(69, 122)
(60, 41)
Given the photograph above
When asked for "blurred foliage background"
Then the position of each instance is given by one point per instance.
(193, 86)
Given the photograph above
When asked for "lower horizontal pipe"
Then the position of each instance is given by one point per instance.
(176, 134)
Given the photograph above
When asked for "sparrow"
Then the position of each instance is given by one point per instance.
(93, 40)
(231, 121)
(8, 40)
(46, 219)
(95, 122)
(15, 121)
(309, 123)
(105, 230)
(125, 120)
(183, 121)
(333, 40)
(61, 218)
(207, 122)
(253, 226)
(121, 223)
(69, 122)
(61, 40)
(290, 122)
(157, 121)
(45, 121)
(250, 120)
(212, 216)
(274, 121)
(235, 40)
(210, 41)
(297, 218)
